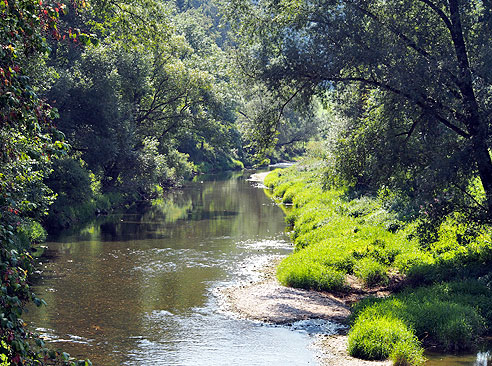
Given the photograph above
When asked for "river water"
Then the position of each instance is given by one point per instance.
(140, 288)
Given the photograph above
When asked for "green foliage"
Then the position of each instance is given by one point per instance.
(407, 354)
(70, 181)
(401, 105)
(371, 272)
(337, 235)
(270, 130)
(310, 275)
(450, 315)
(28, 234)
(152, 102)
(28, 142)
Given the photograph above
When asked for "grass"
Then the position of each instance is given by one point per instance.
(334, 237)
(448, 302)
(381, 338)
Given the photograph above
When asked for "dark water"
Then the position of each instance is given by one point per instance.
(140, 288)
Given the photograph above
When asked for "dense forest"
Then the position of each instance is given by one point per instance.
(108, 103)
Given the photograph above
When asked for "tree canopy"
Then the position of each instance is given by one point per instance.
(422, 95)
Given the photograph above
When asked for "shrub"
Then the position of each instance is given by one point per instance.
(29, 232)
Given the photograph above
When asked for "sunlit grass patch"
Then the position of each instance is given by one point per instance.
(382, 337)
(448, 315)
(371, 272)
(311, 275)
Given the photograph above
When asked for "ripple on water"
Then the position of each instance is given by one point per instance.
(156, 260)
(317, 326)
(483, 358)
(51, 336)
(276, 243)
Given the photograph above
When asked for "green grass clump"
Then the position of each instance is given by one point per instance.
(335, 237)
(311, 275)
(291, 192)
(273, 178)
(371, 272)
(381, 338)
(407, 354)
(450, 315)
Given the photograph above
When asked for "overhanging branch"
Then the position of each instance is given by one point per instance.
(408, 96)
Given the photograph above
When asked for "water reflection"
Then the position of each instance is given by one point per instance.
(137, 289)
(480, 358)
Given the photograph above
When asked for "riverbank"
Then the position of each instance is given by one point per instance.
(434, 295)
(268, 301)
(258, 177)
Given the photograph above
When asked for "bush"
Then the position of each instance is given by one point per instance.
(30, 232)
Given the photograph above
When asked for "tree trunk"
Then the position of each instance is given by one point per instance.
(484, 164)
(473, 121)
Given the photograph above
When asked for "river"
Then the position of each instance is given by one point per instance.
(140, 288)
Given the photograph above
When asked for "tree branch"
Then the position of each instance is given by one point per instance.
(439, 12)
(470, 196)
(282, 108)
(411, 44)
(291, 141)
(396, 91)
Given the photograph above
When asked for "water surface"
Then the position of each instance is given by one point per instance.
(140, 288)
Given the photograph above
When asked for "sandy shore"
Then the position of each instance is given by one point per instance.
(333, 351)
(258, 177)
(268, 301)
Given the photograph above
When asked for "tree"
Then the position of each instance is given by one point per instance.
(28, 142)
(260, 115)
(155, 83)
(427, 56)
